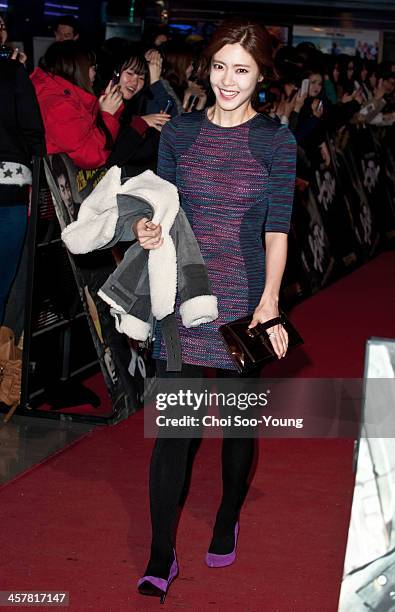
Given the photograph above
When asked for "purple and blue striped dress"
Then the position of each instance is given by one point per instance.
(234, 183)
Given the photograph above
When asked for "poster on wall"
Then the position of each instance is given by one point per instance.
(124, 362)
(356, 200)
(328, 193)
(312, 239)
(363, 44)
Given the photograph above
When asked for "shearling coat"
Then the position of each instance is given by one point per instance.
(144, 286)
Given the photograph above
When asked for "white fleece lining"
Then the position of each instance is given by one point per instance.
(111, 302)
(162, 272)
(198, 310)
(97, 216)
(125, 323)
(131, 326)
(98, 213)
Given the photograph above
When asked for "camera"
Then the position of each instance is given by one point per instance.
(5, 52)
(169, 105)
(116, 75)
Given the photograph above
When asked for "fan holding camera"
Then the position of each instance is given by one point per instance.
(6, 51)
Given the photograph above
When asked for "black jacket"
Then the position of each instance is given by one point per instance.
(21, 131)
(135, 152)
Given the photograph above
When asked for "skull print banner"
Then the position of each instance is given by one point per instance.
(344, 212)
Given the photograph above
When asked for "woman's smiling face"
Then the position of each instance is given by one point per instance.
(130, 82)
(233, 76)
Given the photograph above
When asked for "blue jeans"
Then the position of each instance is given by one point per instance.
(13, 223)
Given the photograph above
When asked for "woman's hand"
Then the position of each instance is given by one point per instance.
(277, 334)
(148, 234)
(157, 120)
(317, 109)
(194, 89)
(286, 106)
(326, 156)
(346, 98)
(154, 60)
(358, 95)
(299, 101)
(111, 100)
(19, 56)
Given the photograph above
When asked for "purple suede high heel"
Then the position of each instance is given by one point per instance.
(152, 585)
(214, 560)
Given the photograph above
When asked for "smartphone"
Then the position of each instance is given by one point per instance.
(192, 102)
(262, 96)
(5, 52)
(169, 105)
(305, 86)
(320, 106)
(116, 75)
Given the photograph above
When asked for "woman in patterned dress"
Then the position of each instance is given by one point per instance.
(235, 173)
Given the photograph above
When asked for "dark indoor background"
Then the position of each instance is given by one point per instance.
(34, 17)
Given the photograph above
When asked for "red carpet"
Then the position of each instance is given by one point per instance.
(79, 521)
(336, 322)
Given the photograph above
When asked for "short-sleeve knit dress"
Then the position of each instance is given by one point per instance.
(234, 183)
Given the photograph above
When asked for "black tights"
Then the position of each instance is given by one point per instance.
(171, 461)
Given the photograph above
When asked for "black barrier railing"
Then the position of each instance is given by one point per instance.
(344, 213)
(49, 371)
(30, 250)
(71, 333)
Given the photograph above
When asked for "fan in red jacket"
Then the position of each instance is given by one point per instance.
(76, 122)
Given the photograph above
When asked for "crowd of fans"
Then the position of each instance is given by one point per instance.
(318, 93)
(117, 99)
(108, 106)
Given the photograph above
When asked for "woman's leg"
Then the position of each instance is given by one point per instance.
(168, 469)
(13, 221)
(237, 458)
(167, 476)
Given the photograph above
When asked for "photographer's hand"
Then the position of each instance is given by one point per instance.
(154, 60)
(157, 120)
(19, 56)
(111, 100)
(299, 101)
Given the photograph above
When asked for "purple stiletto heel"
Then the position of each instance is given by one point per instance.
(214, 560)
(152, 585)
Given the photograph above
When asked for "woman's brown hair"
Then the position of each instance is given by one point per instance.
(253, 37)
(177, 58)
(71, 60)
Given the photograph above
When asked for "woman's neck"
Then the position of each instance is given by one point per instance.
(231, 118)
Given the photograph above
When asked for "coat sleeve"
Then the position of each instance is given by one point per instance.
(167, 161)
(281, 182)
(112, 124)
(130, 210)
(76, 134)
(28, 114)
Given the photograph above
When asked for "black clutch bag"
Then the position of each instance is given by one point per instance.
(252, 348)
